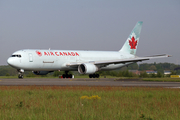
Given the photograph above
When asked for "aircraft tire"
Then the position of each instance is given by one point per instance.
(70, 75)
(90, 75)
(93, 75)
(97, 75)
(20, 76)
(64, 76)
(67, 76)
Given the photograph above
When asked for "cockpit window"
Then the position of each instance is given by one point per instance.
(16, 56)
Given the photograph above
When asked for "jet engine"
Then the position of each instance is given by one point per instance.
(87, 68)
(41, 72)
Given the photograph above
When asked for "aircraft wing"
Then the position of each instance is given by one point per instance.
(118, 61)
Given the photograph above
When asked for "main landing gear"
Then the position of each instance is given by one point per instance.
(20, 73)
(66, 75)
(93, 75)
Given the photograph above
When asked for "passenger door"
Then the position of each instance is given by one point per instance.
(30, 57)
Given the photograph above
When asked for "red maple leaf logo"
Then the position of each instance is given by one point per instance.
(133, 43)
(38, 53)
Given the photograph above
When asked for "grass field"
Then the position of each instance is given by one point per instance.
(80, 103)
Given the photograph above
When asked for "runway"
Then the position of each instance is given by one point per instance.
(86, 82)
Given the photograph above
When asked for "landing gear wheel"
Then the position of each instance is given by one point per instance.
(20, 73)
(93, 75)
(20, 76)
(70, 76)
(66, 75)
(97, 75)
(90, 76)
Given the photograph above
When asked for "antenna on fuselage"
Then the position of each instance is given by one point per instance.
(49, 48)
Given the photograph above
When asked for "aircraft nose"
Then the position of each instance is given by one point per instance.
(10, 61)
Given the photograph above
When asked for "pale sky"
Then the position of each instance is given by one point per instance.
(90, 25)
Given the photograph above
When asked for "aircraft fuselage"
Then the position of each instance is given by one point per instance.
(51, 60)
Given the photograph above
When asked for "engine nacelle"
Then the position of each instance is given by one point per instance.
(41, 72)
(87, 68)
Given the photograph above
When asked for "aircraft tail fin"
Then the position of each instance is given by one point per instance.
(130, 46)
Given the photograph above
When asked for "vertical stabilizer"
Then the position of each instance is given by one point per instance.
(130, 46)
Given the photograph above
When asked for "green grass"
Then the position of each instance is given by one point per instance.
(116, 103)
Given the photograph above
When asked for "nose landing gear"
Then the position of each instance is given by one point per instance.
(20, 76)
(20, 73)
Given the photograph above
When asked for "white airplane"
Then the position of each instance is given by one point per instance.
(41, 62)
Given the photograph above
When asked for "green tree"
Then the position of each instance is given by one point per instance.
(143, 75)
(153, 75)
(133, 66)
(127, 74)
(30, 74)
(159, 75)
(7, 74)
(152, 67)
(57, 73)
(173, 72)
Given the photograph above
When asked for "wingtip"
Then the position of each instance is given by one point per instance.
(169, 55)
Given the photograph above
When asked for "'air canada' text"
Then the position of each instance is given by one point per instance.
(61, 54)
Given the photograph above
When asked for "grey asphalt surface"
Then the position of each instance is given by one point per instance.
(86, 82)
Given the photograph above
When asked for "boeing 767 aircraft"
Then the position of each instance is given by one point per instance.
(41, 62)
